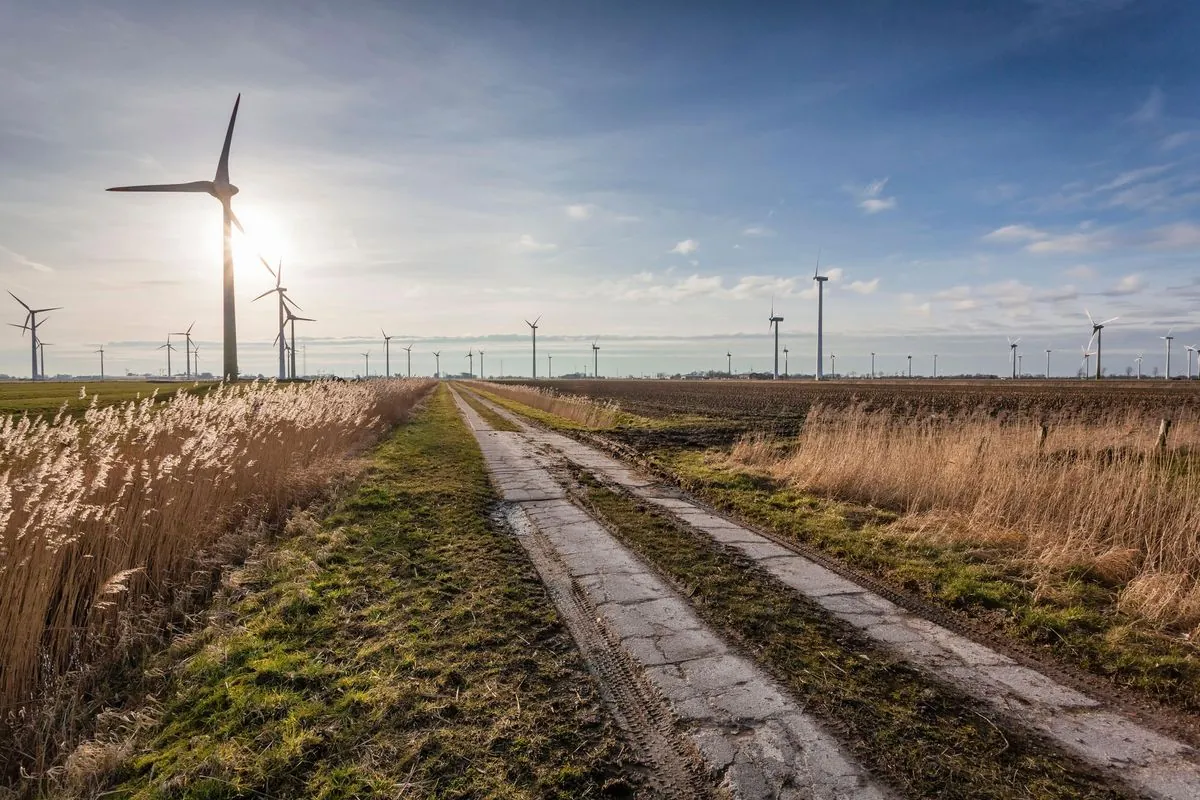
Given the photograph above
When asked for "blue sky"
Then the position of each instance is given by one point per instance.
(652, 174)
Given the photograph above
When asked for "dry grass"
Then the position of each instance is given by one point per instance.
(585, 412)
(1097, 494)
(106, 512)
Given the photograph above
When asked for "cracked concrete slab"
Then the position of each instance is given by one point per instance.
(1152, 764)
(751, 733)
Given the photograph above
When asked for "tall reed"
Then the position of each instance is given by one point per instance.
(589, 413)
(113, 507)
(1095, 491)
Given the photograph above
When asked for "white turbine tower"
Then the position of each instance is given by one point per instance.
(1189, 349)
(1047, 363)
(820, 279)
(1138, 361)
(1012, 345)
(1097, 334)
(773, 321)
(1168, 339)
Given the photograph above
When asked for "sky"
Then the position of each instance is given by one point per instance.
(651, 176)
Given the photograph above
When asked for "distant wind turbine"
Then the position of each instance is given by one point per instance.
(1138, 361)
(935, 355)
(833, 366)
(872, 365)
(292, 319)
(549, 366)
(42, 352)
(1098, 332)
(595, 359)
(31, 324)
(1012, 345)
(1087, 358)
(367, 364)
(533, 326)
(187, 348)
(1168, 339)
(820, 279)
(1047, 363)
(471, 363)
(283, 301)
(101, 352)
(437, 360)
(785, 361)
(482, 374)
(1189, 350)
(729, 363)
(773, 322)
(222, 190)
(408, 350)
(387, 354)
(168, 347)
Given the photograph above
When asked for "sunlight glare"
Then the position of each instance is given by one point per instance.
(264, 236)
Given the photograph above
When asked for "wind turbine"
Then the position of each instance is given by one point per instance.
(409, 351)
(872, 365)
(910, 365)
(222, 190)
(1098, 333)
(482, 374)
(820, 279)
(1189, 349)
(292, 319)
(1012, 345)
(533, 326)
(281, 290)
(42, 352)
(196, 360)
(785, 361)
(729, 363)
(437, 360)
(935, 365)
(833, 366)
(549, 366)
(773, 321)
(31, 324)
(387, 354)
(1087, 358)
(367, 361)
(168, 347)
(471, 363)
(1139, 363)
(1021, 364)
(187, 348)
(1168, 339)
(595, 359)
(101, 352)
(1047, 363)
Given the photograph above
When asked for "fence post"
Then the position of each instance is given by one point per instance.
(1164, 428)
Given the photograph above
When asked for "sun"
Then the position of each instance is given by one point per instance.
(264, 237)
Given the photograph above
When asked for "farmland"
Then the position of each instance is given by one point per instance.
(47, 397)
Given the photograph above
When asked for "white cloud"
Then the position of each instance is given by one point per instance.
(1150, 110)
(1015, 233)
(1130, 284)
(872, 199)
(528, 244)
(1176, 140)
(22, 261)
(864, 287)
(758, 230)
(580, 211)
(835, 274)
(1086, 240)
(686, 247)
(1179, 236)
(965, 305)
(1081, 271)
(953, 293)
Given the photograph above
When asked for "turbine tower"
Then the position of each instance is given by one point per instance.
(387, 354)
(1188, 351)
(437, 360)
(101, 352)
(820, 279)
(1012, 345)
(222, 190)
(1168, 339)
(1087, 358)
(1098, 333)
(549, 366)
(31, 324)
(367, 362)
(872, 365)
(773, 322)
(1138, 360)
(785, 361)
(533, 326)
(595, 359)
(408, 350)
(1047, 363)
(292, 319)
(187, 348)
(910, 365)
(482, 375)
(729, 363)
(833, 366)
(42, 352)
(471, 363)
(935, 365)
(281, 290)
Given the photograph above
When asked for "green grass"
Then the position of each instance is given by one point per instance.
(401, 646)
(624, 419)
(493, 419)
(923, 738)
(18, 397)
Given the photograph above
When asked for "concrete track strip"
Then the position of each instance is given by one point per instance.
(755, 740)
(1152, 764)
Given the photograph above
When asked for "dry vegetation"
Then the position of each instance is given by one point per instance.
(1096, 493)
(106, 512)
(581, 410)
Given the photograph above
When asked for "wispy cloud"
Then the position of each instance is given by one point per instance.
(872, 199)
(580, 211)
(1177, 140)
(1151, 108)
(1081, 271)
(1179, 236)
(1015, 234)
(686, 247)
(758, 230)
(1085, 240)
(1130, 284)
(19, 260)
(864, 287)
(528, 244)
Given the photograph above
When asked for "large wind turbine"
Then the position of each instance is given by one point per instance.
(187, 348)
(470, 363)
(387, 354)
(42, 353)
(1012, 345)
(1188, 351)
(292, 319)
(773, 322)
(1047, 363)
(1168, 339)
(729, 363)
(1087, 358)
(482, 374)
(549, 366)
(101, 352)
(533, 326)
(31, 324)
(1098, 333)
(595, 359)
(222, 190)
(168, 347)
(408, 350)
(367, 362)
(1139, 363)
(820, 279)
(281, 290)
(437, 360)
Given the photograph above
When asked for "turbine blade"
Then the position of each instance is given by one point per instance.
(223, 164)
(304, 319)
(536, 321)
(264, 294)
(817, 270)
(1114, 319)
(1089, 316)
(268, 266)
(44, 310)
(188, 332)
(193, 186)
(19, 300)
(232, 217)
(283, 293)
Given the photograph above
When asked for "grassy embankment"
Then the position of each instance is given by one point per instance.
(1071, 613)
(47, 398)
(402, 645)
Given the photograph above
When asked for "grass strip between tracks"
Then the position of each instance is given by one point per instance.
(1076, 621)
(404, 644)
(925, 739)
(493, 419)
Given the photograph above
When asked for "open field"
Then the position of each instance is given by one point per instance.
(47, 397)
